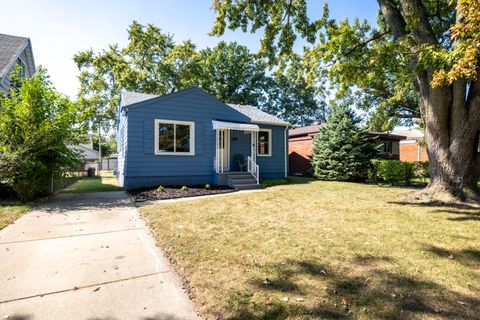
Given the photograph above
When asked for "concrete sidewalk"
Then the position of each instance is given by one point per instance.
(87, 256)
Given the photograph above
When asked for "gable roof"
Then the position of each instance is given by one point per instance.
(410, 134)
(255, 114)
(10, 48)
(130, 97)
(315, 128)
(305, 130)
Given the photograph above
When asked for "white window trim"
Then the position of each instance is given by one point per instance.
(192, 137)
(269, 154)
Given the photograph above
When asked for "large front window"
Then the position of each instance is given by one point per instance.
(174, 137)
(264, 142)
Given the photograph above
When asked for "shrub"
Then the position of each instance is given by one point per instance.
(161, 189)
(393, 171)
(410, 171)
(184, 188)
(37, 124)
(423, 169)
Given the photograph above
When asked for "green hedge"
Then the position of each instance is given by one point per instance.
(395, 171)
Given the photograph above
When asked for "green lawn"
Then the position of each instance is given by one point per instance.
(105, 182)
(323, 250)
(9, 213)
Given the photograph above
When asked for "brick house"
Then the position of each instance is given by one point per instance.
(300, 145)
(411, 148)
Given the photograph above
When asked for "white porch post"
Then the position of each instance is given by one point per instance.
(217, 153)
(253, 152)
(222, 143)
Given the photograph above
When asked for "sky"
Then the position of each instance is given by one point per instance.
(60, 28)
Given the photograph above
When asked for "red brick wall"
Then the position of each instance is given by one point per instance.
(409, 152)
(299, 155)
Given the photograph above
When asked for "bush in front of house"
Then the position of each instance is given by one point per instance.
(342, 150)
(393, 171)
(423, 170)
(37, 124)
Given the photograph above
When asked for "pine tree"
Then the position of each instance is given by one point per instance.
(342, 150)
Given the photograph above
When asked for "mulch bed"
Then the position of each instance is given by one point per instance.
(173, 192)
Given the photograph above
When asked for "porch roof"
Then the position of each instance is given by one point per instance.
(234, 126)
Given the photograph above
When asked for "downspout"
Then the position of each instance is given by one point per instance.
(286, 149)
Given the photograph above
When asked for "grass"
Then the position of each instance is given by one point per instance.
(10, 213)
(323, 250)
(105, 182)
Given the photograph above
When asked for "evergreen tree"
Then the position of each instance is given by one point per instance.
(342, 150)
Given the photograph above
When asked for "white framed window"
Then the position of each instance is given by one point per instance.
(174, 137)
(264, 143)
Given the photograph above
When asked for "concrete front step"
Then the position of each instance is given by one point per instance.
(242, 181)
(247, 186)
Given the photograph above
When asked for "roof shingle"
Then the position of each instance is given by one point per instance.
(255, 114)
(10, 46)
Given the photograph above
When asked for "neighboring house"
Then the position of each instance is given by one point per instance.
(412, 147)
(300, 146)
(90, 156)
(14, 51)
(110, 163)
(189, 137)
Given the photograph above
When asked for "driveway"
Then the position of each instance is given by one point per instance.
(87, 256)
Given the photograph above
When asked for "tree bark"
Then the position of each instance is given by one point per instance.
(451, 114)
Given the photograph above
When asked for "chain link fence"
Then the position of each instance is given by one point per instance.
(61, 179)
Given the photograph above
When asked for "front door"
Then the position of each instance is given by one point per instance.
(225, 150)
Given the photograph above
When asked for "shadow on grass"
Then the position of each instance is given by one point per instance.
(437, 204)
(466, 212)
(467, 257)
(373, 293)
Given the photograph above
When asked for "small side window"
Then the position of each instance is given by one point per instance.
(265, 142)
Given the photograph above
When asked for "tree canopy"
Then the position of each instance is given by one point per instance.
(153, 63)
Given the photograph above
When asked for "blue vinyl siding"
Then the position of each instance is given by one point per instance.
(273, 167)
(141, 167)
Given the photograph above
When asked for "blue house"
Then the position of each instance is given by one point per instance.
(189, 137)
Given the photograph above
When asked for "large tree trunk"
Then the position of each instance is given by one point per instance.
(451, 134)
(451, 114)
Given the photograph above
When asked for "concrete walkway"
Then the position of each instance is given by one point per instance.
(87, 256)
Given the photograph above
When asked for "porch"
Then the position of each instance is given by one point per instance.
(236, 154)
